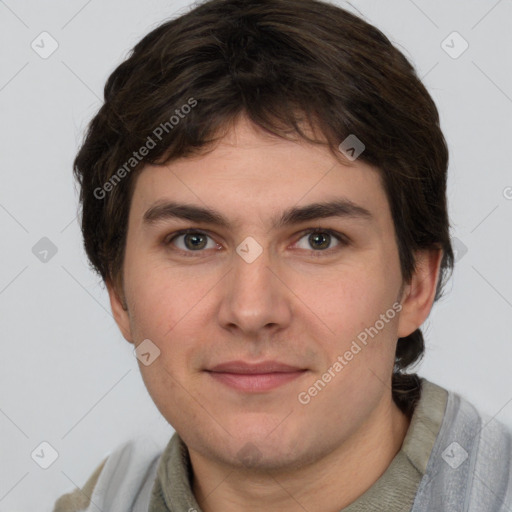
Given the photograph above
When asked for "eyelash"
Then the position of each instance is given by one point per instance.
(340, 237)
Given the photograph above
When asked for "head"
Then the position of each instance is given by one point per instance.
(239, 108)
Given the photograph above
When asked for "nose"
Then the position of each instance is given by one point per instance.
(255, 297)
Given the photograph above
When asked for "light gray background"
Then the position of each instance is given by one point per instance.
(67, 376)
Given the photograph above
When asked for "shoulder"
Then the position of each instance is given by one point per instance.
(470, 462)
(474, 430)
(462, 415)
(120, 476)
(79, 499)
(457, 411)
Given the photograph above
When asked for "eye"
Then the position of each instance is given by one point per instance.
(191, 241)
(321, 240)
(316, 240)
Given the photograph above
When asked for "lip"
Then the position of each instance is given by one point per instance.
(251, 368)
(254, 377)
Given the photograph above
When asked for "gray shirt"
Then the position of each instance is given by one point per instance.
(394, 491)
(453, 459)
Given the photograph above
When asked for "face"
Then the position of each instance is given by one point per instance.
(259, 287)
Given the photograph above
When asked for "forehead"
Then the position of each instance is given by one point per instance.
(251, 174)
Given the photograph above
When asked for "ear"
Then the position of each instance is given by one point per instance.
(120, 311)
(418, 295)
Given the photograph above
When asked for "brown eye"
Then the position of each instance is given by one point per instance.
(195, 241)
(319, 240)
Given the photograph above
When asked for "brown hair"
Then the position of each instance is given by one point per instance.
(280, 62)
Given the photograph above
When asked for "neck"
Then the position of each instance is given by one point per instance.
(328, 484)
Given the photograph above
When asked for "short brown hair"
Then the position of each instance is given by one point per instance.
(280, 62)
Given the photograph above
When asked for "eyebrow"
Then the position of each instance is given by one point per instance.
(163, 210)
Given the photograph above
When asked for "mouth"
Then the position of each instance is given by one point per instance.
(254, 377)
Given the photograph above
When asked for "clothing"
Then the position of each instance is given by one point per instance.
(452, 459)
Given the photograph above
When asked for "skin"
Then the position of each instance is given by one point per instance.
(294, 303)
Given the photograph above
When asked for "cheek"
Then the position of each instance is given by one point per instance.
(168, 313)
(171, 310)
(348, 306)
(164, 300)
(347, 299)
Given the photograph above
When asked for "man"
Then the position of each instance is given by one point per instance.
(264, 195)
